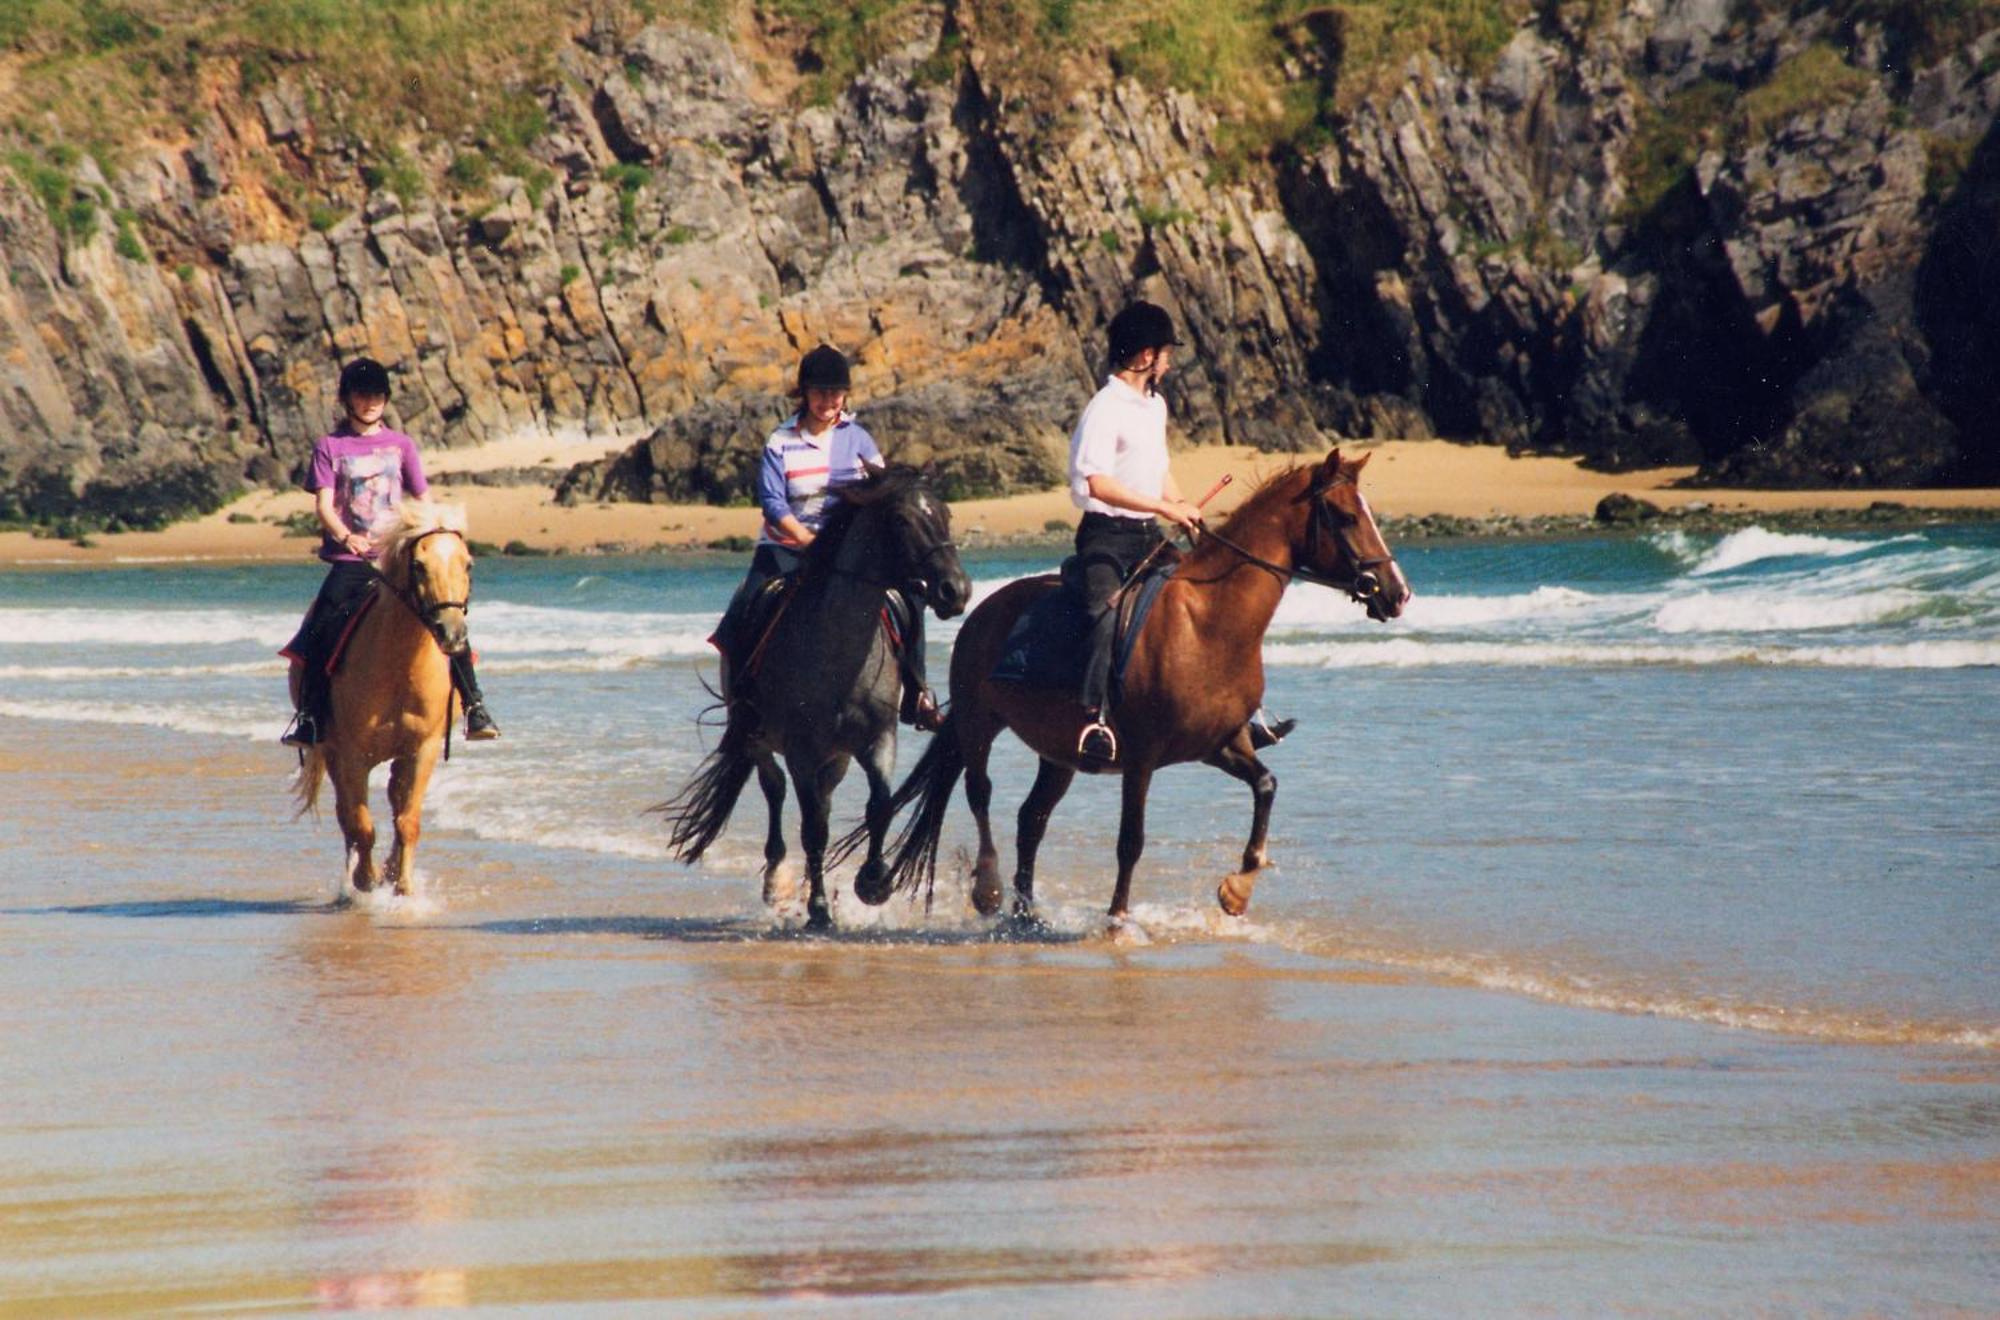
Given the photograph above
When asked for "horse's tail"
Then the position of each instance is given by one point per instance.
(700, 810)
(312, 773)
(913, 852)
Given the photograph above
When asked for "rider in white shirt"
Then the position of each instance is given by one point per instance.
(1119, 476)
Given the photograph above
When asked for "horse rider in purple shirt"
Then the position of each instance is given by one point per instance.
(358, 477)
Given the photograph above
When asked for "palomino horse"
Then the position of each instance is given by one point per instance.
(1194, 679)
(392, 695)
(828, 685)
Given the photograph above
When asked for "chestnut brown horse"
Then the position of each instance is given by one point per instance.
(392, 694)
(1195, 677)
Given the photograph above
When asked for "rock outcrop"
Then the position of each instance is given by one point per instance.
(1802, 294)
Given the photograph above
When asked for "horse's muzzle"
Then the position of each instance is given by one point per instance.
(1384, 594)
(948, 595)
(449, 631)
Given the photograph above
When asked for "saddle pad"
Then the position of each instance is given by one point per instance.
(1049, 643)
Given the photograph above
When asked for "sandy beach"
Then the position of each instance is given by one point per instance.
(1405, 479)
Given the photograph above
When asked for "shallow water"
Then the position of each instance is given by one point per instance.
(1629, 950)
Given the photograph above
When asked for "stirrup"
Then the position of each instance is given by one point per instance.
(302, 732)
(479, 726)
(1097, 745)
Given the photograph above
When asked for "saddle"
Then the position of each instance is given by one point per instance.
(1049, 644)
(761, 615)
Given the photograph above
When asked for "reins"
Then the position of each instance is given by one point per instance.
(425, 613)
(1362, 586)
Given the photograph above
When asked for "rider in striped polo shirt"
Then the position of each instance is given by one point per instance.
(816, 449)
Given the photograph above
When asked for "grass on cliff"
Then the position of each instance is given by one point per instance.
(1717, 115)
(106, 72)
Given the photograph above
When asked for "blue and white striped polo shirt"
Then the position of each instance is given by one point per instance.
(798, 468)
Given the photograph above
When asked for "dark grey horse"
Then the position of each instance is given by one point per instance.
(828, 686)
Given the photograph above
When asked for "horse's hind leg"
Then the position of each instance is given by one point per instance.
(357, 825)
(979, 796)
(1238, 761)
(772, 781)
(1051, 782)
(871, 882)
(409, 777)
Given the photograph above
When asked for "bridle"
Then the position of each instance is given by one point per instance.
(918, 584)
(426, 614)
(1364, 586)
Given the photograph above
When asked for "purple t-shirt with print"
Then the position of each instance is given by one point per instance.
(369, 475)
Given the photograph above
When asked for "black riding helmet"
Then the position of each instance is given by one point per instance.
(364, 376)
(1139, 327)
(825, 368)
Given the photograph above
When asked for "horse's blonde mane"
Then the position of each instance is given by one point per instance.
(416, 518)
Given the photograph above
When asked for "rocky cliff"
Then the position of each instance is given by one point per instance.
(1680, 231)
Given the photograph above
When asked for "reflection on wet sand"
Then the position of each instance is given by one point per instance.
(588, 1086)
(378, 1014)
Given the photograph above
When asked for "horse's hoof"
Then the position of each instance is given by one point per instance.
(871, 883)
(1122, 930)
(818, 918)
(1024, 908)
(986, 894)
(781, 885)
(1233, 894)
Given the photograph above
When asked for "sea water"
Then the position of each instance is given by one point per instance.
(1750, 779)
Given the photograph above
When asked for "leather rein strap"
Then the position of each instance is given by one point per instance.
(426, 614)
(1321, 520)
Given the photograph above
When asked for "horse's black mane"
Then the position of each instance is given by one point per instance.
(845, 503)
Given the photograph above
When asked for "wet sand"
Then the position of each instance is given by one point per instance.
(1405, 478)
(566, 1079)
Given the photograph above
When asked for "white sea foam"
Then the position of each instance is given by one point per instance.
(1413, 653)
(1754, 543)
(269, 668)
(144, 627)
(229, 723)
(1578, 992)
(1768, 611)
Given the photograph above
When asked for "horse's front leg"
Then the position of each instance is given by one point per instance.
(1131, 835)
(772, 781)
(871, 882)
(350, 807)
(814, 787)
(409, 779)
(1051, 782)
(1236, 759)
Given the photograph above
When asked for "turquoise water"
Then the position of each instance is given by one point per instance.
(1629, 952)
(1752, 779)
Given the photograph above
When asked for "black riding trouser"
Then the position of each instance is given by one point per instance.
(1108, 548)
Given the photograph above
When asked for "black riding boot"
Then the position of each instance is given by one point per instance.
(479, 726)
(920, 707)
(309, 722)
(1097, 746)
